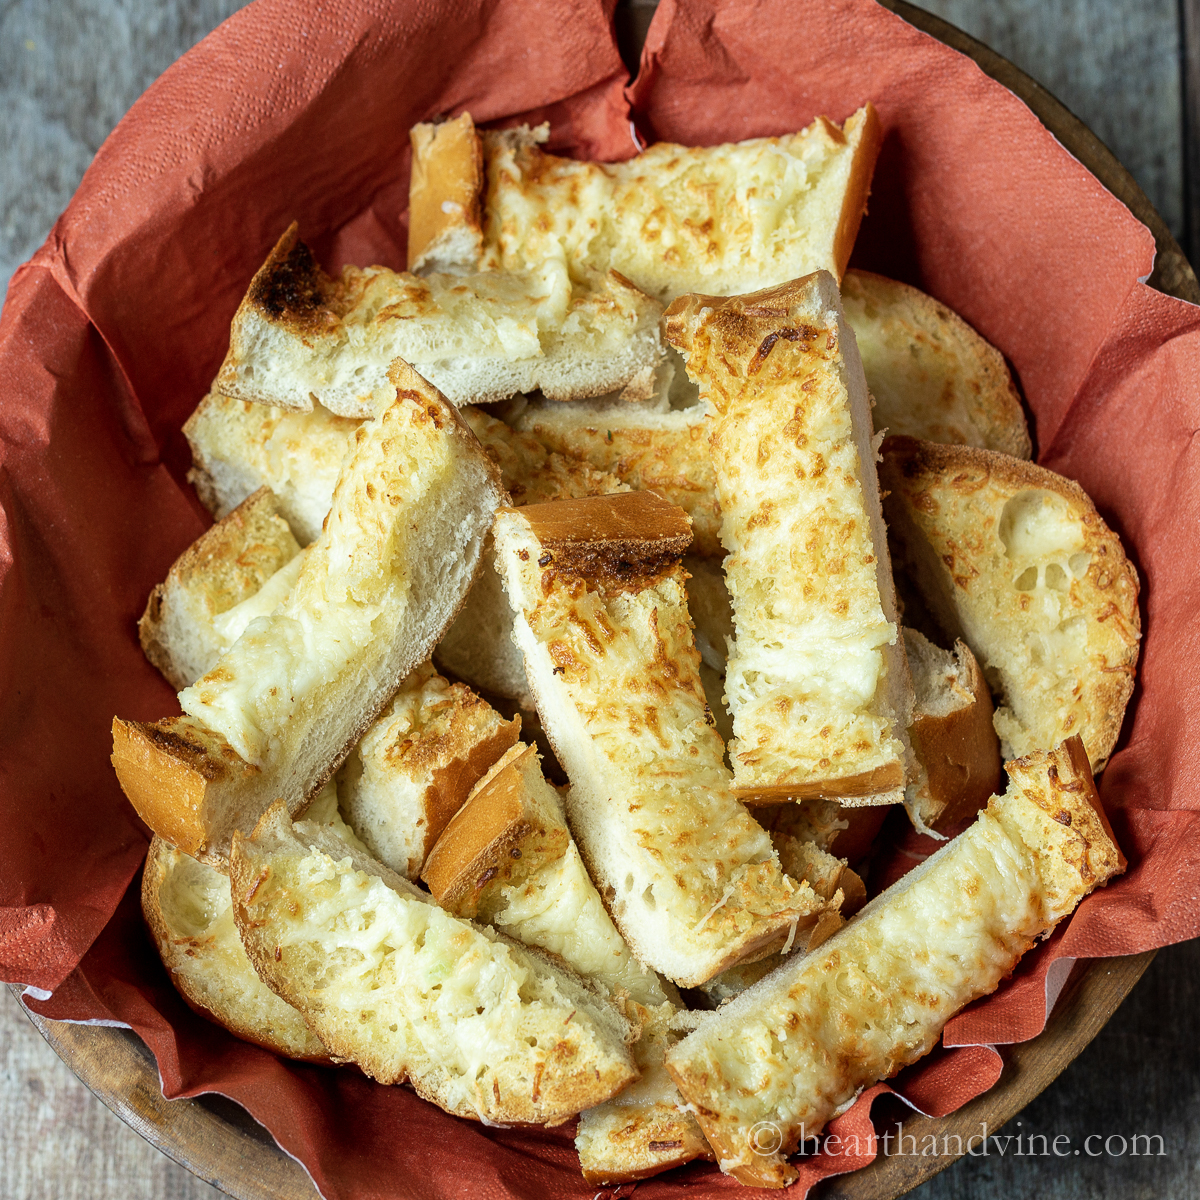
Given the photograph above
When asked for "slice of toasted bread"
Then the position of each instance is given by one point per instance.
(956, 749)
(930, 374)
(300, 335)
(445, 205)
(673, 219)
(286, 704)
(645, 1129)
(478, 647)
(1016, 562)
(190, 914)
(416, 766)
(690, 879)
(481, 1026)
(239, 447)
(816, 678)
(508, 858)
(796, 1046)
(223, 567)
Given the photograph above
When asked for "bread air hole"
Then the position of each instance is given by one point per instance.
(1027, 581)
(1056, 577)
(648, 899)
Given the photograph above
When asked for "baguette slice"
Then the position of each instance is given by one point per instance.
(673, 219)
(956, 749)
(1016, 562)
(239, 447)
(225, 566)
(480, 1026)
(508, 858)
(300, 335)
(286, 704)
(190, 914)
(930, 374)
(690, 879)
(798, 1045)
(416, 766)
(816, 678)
(445, 205)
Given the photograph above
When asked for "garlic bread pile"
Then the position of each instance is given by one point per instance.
(597, 495)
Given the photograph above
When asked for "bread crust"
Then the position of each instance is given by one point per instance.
(445, 195)
(492, 837)
(959, 751)
(625, 540)
(946, 509)
(865, 134)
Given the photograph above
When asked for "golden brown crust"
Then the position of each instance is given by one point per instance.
(493, 837)
(652, 1141)
(452, 783)
(875, 784)
(927, 485)
(166, 768)
(960, 751)
(445, 192)
(862, 128)
(627, 539)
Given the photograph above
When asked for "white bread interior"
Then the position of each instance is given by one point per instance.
(239, 447)
(225, 566)
(796, 1046)
(930, 374)
(483, 1027)
(674, 219)
(286, 704)
(300, 335)
(816, 677)
(690, 879)
(1015, 560)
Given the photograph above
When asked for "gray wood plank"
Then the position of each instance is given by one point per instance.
(1114, 63)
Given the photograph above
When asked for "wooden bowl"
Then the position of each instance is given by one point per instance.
(218, 1141)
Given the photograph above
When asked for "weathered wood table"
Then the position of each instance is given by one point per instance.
(70, 69)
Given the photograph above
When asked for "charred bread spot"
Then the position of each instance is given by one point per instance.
(292, 289)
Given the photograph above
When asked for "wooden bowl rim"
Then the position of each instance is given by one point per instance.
(217, 1140)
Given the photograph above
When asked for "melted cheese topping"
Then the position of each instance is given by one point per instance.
(799, 1045)
(805, 674)
(314, 653)
(719, 220)
(411, 989)
(690, 874)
